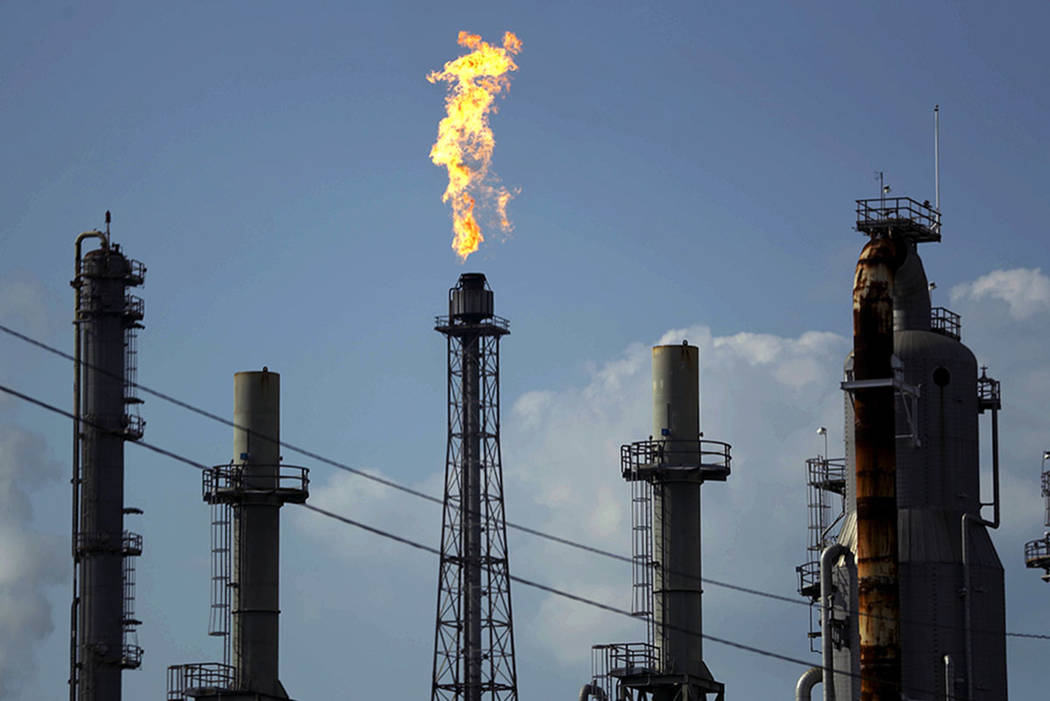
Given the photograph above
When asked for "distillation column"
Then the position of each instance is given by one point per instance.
(102, 621)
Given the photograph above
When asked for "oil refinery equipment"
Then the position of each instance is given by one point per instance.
(103, 639)
(665, 473)
(826, 507)
(246, 496)
(911, 591)
(1037, 552)
(474, 635)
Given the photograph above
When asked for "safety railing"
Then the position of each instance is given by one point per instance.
(899, 213)
(136, 274)
(186, 681)
(444, 322)
(228, 482)
(131, 656)
(134, 426)
(712, 457)
(134, 307)
(945, 322)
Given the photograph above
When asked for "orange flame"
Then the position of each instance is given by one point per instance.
(465, 142)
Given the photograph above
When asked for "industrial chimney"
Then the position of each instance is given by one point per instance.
(103, 640)
(246, 496)
(666, 472)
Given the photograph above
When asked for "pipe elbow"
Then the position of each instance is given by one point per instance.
(809, 679)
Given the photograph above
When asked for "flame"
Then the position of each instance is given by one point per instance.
(465, 142)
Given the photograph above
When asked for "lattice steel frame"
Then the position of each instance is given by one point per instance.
(474, 638)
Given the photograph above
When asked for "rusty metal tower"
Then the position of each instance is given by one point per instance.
(474, 636)
(103, 640)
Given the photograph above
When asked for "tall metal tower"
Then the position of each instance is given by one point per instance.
(1037, 552)
(666, 472)
(103, 641)
(474, 636)
(246, 497)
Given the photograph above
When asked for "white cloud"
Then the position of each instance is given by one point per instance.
(24, 303)
(31, 561)
(1025, 290)
(766, 394)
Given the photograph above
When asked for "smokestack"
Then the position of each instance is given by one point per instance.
(666, 473)
(253, 486)
(875, 440)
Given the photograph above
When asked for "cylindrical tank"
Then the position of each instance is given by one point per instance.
(256, 533)
(101, 528)
(676, 511)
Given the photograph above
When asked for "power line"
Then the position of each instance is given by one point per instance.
(375, 478)
(395, 485)
(516, 578)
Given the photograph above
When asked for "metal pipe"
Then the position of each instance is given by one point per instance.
(594, 691)
(75, 481)
(971, 519)
(677, 593)
(995, 470)
(256, 531)
(471, 518)
(937, 162)
(827, 561)
(875, 445)
(966, 519)
(809, 679)
(949, 678)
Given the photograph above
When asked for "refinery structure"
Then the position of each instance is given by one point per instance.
(905, 587)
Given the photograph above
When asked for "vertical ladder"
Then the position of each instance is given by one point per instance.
(221, 574)
(131, 653)
(642, 552)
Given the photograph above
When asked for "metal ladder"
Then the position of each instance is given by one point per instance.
(221, 574)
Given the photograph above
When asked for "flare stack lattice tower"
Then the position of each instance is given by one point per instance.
(103, 641)
(474, 637)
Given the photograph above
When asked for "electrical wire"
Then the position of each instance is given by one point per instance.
(369, 476)
(395, 485)
(434, 551)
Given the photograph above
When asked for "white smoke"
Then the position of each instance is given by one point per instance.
(31, 561)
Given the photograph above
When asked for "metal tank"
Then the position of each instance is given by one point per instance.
(951, 594)
(102, 638)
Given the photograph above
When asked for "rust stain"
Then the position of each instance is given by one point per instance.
(874, 431)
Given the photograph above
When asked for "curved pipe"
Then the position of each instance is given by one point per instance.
(809, 679)
(827, 562)
(590, 691)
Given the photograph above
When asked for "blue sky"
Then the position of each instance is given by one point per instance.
(684, 168)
